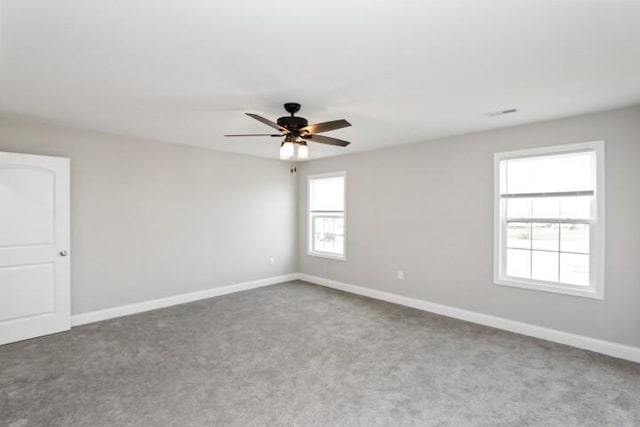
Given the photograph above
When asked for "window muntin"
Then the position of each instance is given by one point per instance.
(327, 215)
(549, 219)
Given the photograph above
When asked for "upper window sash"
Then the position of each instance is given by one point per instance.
(538, 173)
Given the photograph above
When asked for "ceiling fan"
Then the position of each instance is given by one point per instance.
(297, 131)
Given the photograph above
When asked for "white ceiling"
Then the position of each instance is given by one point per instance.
(184, 71)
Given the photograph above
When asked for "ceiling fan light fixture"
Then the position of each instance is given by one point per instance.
(303, 150)
(287, 150)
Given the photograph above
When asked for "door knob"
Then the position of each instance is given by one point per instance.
(63, 253)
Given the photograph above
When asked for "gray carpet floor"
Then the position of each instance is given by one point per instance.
(299, 354)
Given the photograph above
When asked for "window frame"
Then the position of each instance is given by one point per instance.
(310, 214)
(597, 225)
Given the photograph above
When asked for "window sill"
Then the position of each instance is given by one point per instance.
(327, 255)
(551, 287)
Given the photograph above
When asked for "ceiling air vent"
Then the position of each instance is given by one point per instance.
(500, 113)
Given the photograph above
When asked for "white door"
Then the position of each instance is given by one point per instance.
(34, 246)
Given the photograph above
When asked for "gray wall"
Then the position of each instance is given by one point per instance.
(151, 220)
(406, 210)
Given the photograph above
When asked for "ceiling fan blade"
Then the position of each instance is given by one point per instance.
(268, 122)
(255, 134)
(326, 140)
(326, 126)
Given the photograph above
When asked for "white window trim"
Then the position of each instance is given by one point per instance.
(597, 235)
(310, 250)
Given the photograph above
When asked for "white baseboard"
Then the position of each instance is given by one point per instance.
(599, 346)
(125, 310)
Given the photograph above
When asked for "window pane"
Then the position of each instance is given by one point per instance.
(545, 237)
(338, 245)
(564, 172)
(519, 263)
(543, 174)
(328, 226)
(327, 194)
(518, 176)
(519, 235)
(574, 238)
(576, 207)
(339, 226)
(518, 208)
(546, 207)
(574, 269)
(544, 266)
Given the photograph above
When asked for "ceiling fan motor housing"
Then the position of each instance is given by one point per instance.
(293, 123)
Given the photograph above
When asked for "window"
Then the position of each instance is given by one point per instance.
(326, 215)
(549, 219)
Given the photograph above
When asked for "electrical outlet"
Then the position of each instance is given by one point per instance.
(400, 275)
(272, 260)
